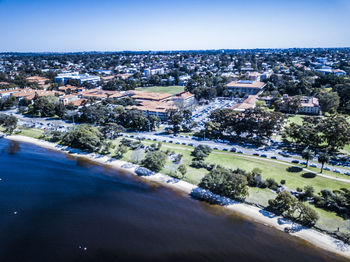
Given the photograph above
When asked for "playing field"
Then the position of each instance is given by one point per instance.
(163, 89)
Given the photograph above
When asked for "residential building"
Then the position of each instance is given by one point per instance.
(307, 105)
(4, 94)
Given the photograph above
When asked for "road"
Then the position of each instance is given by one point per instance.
(247, 149)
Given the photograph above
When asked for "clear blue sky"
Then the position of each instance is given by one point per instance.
(112, 25)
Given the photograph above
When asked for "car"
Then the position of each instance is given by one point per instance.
(336, 171)
(273, 157)
(191, 144)
(303, 163)
(154, 139)
(255, 154)
(347, 173)
(171, 141)
(263, 155)
(178, 143)
(233, 149)
(295, 161)
(326, 168)
(164, 141)
(240, 152)
(313, 165)
(225, 149)
(216, 148)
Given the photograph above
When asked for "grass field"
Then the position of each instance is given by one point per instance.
(32, 132)
(297, 119)
(163, 89)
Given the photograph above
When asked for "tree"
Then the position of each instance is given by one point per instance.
(111, 130)
(323, 158)
(200, 152)
(44, 106)
(283, 204)
(8, 122)
(304, 214)
(120, 151)
(175, 119)
(329, 101)
(224, 182)
(154, 160)
(84, 137)
(182, 169)
(335, 131)
(307, 155)
(154, 122)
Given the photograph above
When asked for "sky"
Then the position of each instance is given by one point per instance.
(119, 25)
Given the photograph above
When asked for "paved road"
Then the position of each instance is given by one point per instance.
(268, 152)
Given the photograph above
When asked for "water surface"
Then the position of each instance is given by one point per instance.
(57, 208)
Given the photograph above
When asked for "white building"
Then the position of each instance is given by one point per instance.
(63, 78)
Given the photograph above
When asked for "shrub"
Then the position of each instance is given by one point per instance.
(154, 160)
(294, 169)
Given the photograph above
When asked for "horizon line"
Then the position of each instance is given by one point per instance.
(169, 50)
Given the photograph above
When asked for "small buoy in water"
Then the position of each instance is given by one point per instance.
(15, 212)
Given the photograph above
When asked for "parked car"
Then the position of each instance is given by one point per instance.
(347, 173)
(273, 157)
(295, 161)
(240, 152)
(233, 149)
(263, 155)
(255, 154)
(313, 165)
(326, 168)
(336, 171)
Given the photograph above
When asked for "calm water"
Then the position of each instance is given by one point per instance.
(55, 208)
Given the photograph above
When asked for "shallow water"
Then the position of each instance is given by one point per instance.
(54, 207)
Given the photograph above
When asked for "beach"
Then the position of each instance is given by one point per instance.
(250, 212)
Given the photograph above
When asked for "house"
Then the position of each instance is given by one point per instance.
(39, 80)
(98, 93)
(67, 99)
(4, 94)
(246, 87)
(307, 105)
(29, 93)
(329, 71)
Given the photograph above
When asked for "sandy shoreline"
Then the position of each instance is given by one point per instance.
(253, 213)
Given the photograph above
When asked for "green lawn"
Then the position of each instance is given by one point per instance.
(32, 132)
(297, 119)
(275, 170)
(163, 89)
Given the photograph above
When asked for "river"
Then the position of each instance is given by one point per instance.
(54, 207)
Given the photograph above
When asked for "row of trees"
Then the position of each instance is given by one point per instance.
(254, 123)
(332, 133)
